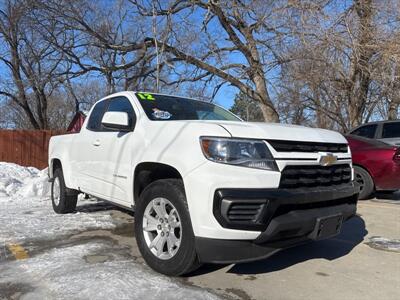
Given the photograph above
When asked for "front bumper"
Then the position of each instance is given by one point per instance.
(285, 218)
(254, 209)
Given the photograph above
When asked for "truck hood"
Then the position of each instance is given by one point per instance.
(275, 131)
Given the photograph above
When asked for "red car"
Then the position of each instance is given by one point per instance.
(376, 165)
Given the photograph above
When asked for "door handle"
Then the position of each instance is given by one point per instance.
(96, 143)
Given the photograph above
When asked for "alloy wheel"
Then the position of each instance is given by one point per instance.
(162, 228)
(360, 181)
(56, 191)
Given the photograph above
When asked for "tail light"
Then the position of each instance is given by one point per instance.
(396, 156)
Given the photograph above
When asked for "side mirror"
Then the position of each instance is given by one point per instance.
(116, 120)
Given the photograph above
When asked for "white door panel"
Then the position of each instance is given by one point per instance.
(86, 153)
(88, 161)
(102, 157)
(115, 153)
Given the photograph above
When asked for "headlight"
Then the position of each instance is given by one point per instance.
(239, 152)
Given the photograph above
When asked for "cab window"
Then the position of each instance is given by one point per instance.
(391, 130)
(96, 115)
(367, 131)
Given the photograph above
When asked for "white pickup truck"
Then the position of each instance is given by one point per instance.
(205, 186)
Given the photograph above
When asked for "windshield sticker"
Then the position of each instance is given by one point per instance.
(160, 114)
(146, 96)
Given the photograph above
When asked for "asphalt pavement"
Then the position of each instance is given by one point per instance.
(363, 262)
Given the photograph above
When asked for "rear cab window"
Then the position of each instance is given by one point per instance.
(391, 130)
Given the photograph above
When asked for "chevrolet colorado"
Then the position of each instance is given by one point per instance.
(205, 187)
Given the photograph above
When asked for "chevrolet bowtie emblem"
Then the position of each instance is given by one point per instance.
(327, 159)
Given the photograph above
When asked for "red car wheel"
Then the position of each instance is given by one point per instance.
(365, 181)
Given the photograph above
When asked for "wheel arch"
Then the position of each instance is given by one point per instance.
(364, 168)
(54, 164)
(147, 172)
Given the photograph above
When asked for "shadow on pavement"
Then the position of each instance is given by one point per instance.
(388, 195)
(353, 233)
(100, 205)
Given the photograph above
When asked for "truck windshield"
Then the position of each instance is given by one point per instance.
(165, 108)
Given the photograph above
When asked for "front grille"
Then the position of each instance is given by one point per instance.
(294, 146)
(314, 176)
(246, 211)
(286, 208)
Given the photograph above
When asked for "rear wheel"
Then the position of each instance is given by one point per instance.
(163, 228)
(63, 199)
(365, 181)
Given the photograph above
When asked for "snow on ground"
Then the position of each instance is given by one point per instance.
(26, 210)
(65, 270)
(78, 279)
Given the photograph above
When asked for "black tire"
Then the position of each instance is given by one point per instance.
(365, 181)
(185, 259)
(68, 198)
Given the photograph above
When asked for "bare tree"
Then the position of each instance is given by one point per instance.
(31, 64)
(238, 42)
(89, 29)
(346, 73)
(321, 63)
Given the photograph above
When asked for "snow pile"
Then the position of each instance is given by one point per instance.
(23, 181)
(381, 243)
(26, 210)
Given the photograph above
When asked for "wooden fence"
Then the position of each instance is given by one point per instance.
(26, 147)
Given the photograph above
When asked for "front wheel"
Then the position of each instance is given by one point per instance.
(163, 228)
